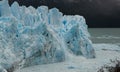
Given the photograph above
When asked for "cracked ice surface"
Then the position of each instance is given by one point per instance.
(30, 36)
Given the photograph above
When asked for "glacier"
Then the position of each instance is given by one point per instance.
(30, 36)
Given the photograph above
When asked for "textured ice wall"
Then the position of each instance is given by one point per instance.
(30, 36)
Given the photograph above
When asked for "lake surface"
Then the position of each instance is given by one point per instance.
(105, 35)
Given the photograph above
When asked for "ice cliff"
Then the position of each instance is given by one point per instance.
(30, 36)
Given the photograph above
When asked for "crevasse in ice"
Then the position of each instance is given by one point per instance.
(30, 36)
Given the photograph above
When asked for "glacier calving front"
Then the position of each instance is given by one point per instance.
(30, 36)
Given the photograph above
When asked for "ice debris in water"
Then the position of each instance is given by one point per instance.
(30, 36)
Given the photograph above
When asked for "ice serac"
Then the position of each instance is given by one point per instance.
(76, 36)
(4, 8)
(30, 36)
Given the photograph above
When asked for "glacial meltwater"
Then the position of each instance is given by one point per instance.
(105, 35)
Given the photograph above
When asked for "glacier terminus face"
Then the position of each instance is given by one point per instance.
(30, 36)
